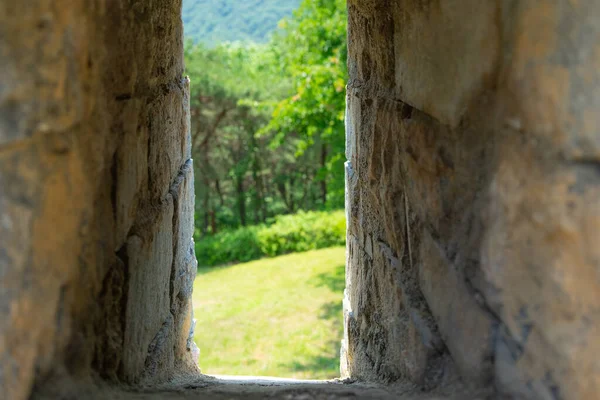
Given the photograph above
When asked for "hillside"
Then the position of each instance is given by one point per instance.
(280, 316)
(214, 21)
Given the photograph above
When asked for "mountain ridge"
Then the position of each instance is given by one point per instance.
(215, 21)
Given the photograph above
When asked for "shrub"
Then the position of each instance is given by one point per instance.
(285, 234)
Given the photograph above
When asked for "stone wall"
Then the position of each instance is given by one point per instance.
(96, 194)
(473, 195)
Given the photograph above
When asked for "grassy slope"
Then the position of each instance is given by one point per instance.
(273, 317)
(215, 21)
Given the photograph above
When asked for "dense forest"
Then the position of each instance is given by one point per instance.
(268, 122)
(216, 21)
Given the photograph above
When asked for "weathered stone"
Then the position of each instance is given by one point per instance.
(508, 378)
(184, 267)
(386, 338)
(184, 270)
(160, 361)
(442, 62)
(472, 196)
(168, 139)
(474, 157)
(466, 328)
(149, 261)
(130, 169)
(94, 128)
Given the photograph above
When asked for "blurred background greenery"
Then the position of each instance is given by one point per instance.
(217, 21)
(267, 109)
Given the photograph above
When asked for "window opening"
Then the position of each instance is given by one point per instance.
(267, 123)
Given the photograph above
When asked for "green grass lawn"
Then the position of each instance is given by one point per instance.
(274, 317)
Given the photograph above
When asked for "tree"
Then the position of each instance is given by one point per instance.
(312, 50)
(267, 121)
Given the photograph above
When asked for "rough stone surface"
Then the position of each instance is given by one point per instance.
(148, 263)
(473, 203)
(259, 388)
(473, 195)
(96, 194)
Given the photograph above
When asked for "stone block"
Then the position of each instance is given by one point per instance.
(169, 137)
(555, 101)
(130, 169)
(89, 117)
(186, 124)
(446, 52)
(542, 269)
(184, 266)
(149, 262)
(352, 112)
(159, 364)
(466, 328)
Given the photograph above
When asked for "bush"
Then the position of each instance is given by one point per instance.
(286, 234)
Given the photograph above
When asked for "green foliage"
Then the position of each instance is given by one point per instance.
(302, 232)
(312, 48)
(267, 121)
(286, 234)
(276, 317)
(216, 21)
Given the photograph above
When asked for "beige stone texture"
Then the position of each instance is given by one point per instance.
(472, 197)
(472, 146)
(94, 135)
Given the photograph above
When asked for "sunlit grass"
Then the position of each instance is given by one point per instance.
(275, 317)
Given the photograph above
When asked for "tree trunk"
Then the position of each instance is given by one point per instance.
(241, 200)
(324, 181)
(291, 194)
(213, 222)
(258, 191)
(219, 192)
(288, 201)
(205, 213)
